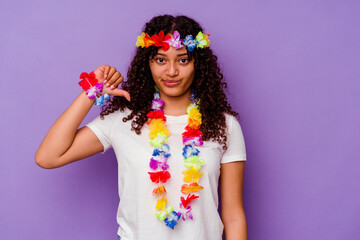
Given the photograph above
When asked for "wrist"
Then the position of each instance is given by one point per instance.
(90, 84)
(93, 88)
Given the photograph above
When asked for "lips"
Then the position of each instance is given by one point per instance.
(171, 83)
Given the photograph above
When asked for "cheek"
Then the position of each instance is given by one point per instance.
(190, 73)
(155, 71)
(192, 70)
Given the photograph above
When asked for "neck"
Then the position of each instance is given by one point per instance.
(176, 106)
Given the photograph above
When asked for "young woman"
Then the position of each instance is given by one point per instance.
(173, 139)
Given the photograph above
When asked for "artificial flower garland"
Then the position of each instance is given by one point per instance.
(93, 89)
(191, 139)
(165, 41)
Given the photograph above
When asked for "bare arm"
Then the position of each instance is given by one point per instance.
(232, 209)
(65, 143)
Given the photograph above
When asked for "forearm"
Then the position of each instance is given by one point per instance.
(236, 229)
(61, 135)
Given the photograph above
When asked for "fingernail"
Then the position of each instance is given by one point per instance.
(105, 76)
(107, 84)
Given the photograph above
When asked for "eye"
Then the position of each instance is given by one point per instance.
(184, 60)
(160, 60)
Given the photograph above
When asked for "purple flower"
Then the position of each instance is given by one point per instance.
(92, 92)
(195, 141)
(154, 164)
(175, 41)
(157, 104)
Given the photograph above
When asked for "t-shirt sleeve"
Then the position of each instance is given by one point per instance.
(236, 150)
(102, 129)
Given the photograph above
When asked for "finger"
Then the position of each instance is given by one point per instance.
(106, 83)
(117, 82)
(120, 92)
(106, 71)
(110, 90)
(114, 78)
(111, 72)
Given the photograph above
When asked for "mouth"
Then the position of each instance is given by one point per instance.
(171, 83)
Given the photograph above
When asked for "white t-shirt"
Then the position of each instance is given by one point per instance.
(136, 211)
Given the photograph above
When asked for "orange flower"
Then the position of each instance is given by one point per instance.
(192, 187)
(144, 40)
(159, 190)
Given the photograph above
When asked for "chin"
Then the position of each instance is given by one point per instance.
(174, 91)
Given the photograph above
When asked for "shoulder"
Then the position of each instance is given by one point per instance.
(233, 127)
(230, 121)
(236, 150)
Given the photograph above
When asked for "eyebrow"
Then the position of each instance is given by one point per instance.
(184, 54)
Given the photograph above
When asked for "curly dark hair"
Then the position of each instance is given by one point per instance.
(208, 84)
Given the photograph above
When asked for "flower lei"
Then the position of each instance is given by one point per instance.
(201, 41)
(191, 138)
(92, 88)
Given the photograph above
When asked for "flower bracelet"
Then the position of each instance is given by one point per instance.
(93, 88)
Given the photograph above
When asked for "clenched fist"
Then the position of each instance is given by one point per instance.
(111, 78)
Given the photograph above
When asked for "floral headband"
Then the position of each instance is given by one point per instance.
(201, 41)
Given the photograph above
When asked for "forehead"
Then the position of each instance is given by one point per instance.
(172, 51)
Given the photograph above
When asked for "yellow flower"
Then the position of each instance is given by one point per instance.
(156, 126)
(161, 203)
(194, 119)
(144, 40)
(192, 175)
(140, 42)
(206, 37)
(203, 40)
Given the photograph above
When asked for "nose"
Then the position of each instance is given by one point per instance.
(172, 69)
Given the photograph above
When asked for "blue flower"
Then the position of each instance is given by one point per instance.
(164, 150)
(99, 101)
(190, 43)
(189, 150)
(172, 220)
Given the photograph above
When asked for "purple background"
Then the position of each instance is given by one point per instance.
(293, 72)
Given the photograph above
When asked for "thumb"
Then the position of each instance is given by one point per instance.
(120, 92)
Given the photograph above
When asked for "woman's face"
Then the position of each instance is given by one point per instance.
(173, 73)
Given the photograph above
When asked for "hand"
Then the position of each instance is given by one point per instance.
(111, 78)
